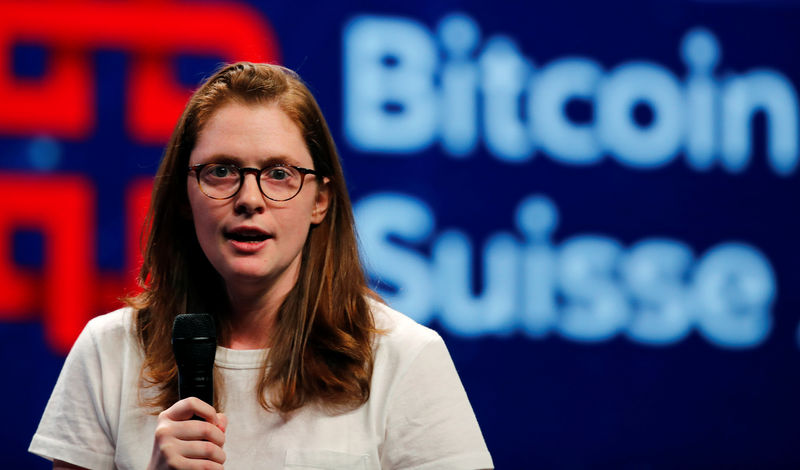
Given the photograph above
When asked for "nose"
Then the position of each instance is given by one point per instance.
(249, 199)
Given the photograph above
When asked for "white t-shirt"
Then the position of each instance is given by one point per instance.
(417, 416)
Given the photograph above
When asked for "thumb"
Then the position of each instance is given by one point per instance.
(222, 421)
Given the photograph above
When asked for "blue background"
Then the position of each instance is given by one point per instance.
(549, 400)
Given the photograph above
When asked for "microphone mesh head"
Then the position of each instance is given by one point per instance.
(194, 325)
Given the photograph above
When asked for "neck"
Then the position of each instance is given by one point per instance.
(253, 313)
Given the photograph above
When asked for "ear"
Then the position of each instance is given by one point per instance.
(321, 202)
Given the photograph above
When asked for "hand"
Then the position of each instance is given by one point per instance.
(184, 443)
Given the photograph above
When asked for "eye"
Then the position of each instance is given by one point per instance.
(278, 173)
(221, 171)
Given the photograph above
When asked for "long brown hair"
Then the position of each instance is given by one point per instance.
(321, 349)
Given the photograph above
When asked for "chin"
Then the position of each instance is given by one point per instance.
(247, 275)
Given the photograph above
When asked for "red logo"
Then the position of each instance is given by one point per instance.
(62, 102)
(69, 290)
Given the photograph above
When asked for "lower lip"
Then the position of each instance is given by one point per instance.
(248, 247)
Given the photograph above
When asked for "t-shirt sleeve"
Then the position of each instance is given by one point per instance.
(430, 423)
(74, 427)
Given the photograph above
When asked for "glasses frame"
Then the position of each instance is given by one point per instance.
(243, 171)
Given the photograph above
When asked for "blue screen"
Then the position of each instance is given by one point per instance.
(592, 202)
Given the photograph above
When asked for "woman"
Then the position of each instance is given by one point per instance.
(312, 370)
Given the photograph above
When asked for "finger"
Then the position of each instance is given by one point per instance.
(191, 464)
(191, 406)
(191, 430)
(222, 421)
(203, 450)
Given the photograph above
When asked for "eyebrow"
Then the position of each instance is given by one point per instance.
(233, 160)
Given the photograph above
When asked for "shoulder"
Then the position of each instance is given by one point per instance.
(420, 399)
(117, 322)
(400, 333)
(114, 325)
(402, 344)
(108, 333)
(97, 387)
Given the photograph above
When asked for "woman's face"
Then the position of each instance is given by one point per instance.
(248, 238)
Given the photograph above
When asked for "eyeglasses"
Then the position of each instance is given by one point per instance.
(279, 182)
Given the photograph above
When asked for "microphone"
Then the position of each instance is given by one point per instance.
(194, 343)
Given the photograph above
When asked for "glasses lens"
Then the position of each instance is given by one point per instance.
(280, 183)
(219, 181)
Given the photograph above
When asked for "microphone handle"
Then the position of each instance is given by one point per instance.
(195, 361)
(196, 382)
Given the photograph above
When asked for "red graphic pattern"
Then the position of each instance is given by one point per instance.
(69, 289)
(62, 103)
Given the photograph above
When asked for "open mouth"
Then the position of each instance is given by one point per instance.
(247, 236)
